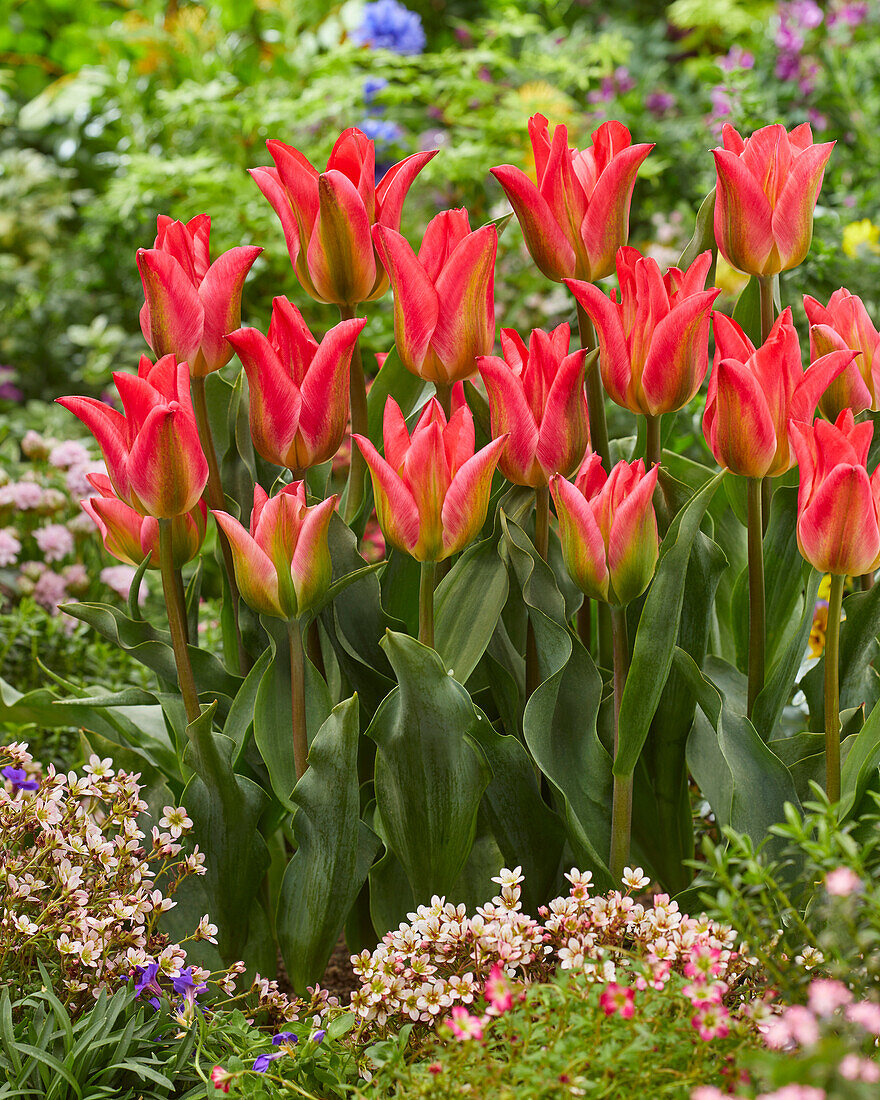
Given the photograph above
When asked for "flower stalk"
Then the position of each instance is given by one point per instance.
(427, 579)
(298, 697)
(542, 545)
(357, 393)
(832, 690)
(621, 799)
(757, 628)
(177, 622)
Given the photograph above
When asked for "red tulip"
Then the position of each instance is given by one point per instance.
(838, 528)
(131, 537)
(654, 341)
(327, 216)
(766, 193)
(844, 324)
(444, 298)
(298, 387)
(191, 303)
(536, 398)
(153, 454)
(282, 566)
(577, 217)
(608, 528)
(754, 393)
(431, 490)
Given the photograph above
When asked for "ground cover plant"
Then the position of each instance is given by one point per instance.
(410, 602)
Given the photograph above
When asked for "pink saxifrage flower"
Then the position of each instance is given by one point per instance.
(711, 1022)
(499, 992)
(463, 1025)
(618, 999)
(841, 882)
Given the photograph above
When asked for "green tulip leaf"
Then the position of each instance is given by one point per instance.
(394, 380)
(703, 238)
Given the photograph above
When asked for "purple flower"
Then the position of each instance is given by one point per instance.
(382, 131)
(55, 541)
(289, 1038)
(658, 103)
(19, 780)
(388, 25)
(69, 453)
(185, 987)
(262, 1062)
(146, 980)
(50, 590)
(318, 1036)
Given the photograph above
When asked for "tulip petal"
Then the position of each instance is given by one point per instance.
(395, 507)
(341, 261)
(394, 185)
(815, 382)
(467, 499)
(510, 415)
(678, 357)
(743, 218)
(633, 546)
(730, 340)
(416, 306)
(311, 568)
(564, 432)
(110, 429)
(220, 295)
(254, 572)
(583, 549)
(466, 300)
(275, 401)
(395, 434)
(175, 318)
(325, 404)
(614, 360)
(743, 436)
(545, 239)
(605, 226)
(120, 527)
(848, 390)
(837, 530)
(298, 177)
(166, 467)
(793, 215)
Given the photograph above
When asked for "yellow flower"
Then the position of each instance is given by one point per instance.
(861, 235)
(825, 587)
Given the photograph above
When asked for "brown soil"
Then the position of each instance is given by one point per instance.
(339, 979)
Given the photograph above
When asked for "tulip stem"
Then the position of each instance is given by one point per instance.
(357, 394)
(443, 392)
(177, 622)
(768, 310)
(757, 628)
(217, 502)
(652, 443)
(298, 697)
(181, 596)
(427, 578)
(832, 690)
(621, 799)
(600, 444)
(542, 545)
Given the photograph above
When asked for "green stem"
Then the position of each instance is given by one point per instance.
(600, 444)
(177, 623)
(181, 596)
(298, 698)
(652, 445)
(757, 629)
(542, 545)
(621, 799)
(443, 393)
(768, 310)
(313, 647)
(832, 690)
(427, 578)
(357, 393)
(217, 501)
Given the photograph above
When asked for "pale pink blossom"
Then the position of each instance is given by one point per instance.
(55, 541)
(10, 547)
(842, 881)
(826, 996)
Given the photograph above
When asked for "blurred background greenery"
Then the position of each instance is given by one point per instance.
(112, 111)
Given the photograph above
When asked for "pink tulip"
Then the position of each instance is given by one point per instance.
(654, 341)
(838, 528)
(191, 303)
(444, 298)
(608, 528)
(577, 217)
(844, 323)
(536, 399)
(282, 566)
(754, 393)
(298, 387)
(327, 216)
(431, 490)
(766, 193)
(131, 537)
(153, 454)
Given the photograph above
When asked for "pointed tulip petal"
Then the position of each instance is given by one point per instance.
(466, 299)
(176, 314)
(467, 499)
(325, 399)
(605, 226)
(340, 253)
(395, 507)
(793, 215)
(220, 295)
(393, 187)
(275, 402)
(545, 239)
(633, 547)
(678, 358)
(744, 437)
(838, 531)
(743, 218)
(254, 572)
(311, 568)
(416, 306)
(564, 432)
(110, 430)
(166, 467)
(510, 415)
(583, 549)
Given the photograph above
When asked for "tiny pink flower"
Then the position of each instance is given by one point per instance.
(826, 996)
(69, 453)
(10, 547)
(464, 1026)
(711, 1022)
(55, 541)
(499, 992)
(221, 1078)
(854, 1068)
(866, 1014)
(841, 882)
(618, 999)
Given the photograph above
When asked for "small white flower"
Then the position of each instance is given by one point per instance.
(634, 878)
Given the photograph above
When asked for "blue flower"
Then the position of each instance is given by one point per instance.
(146, 981)
(287, 1037)
(372, 87)
(19, 780)
(383, 132)
(388, 25)
(318, 1036)
(263, 1060)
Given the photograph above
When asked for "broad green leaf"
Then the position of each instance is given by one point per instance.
(241, 713)
(860, 764)
(334, 850)
(658, 629)
(394, 380)
(703, 238)
(429, 775)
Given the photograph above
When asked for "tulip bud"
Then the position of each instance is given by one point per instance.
(327, 217)
(754, 393)
(842, 325)
(608, 528)
(431, 489)
(282, 566)
(298, 387)
(444, 298)
(838, 528)
(190, 303)
(577, 216)
(153, 454)
(765, 196)
(654, 341)
(536, 398)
